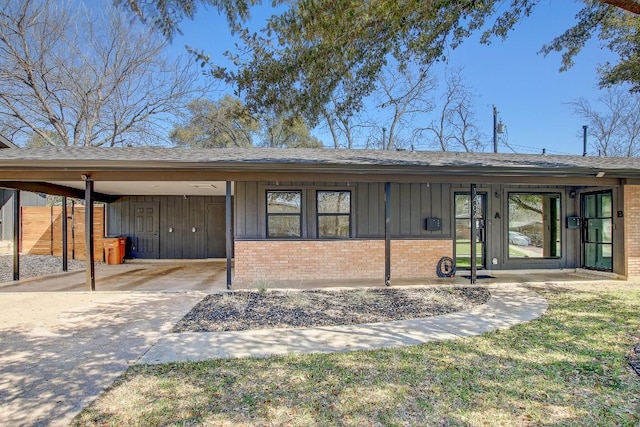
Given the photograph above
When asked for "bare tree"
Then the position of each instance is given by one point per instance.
(346, 127)
(453, 127)
(72, 78)
(404, 93)
(614, 123)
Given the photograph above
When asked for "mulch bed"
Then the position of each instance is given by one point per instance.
(242, 310)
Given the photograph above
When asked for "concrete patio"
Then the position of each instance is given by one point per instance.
(136, 276)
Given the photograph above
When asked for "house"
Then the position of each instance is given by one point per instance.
(309, 214)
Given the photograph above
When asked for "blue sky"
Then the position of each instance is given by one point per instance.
(529, 92)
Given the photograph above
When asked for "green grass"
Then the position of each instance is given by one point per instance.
(566, 368)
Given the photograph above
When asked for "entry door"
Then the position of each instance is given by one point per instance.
(463, 229)
(216, 233)
(146, 241)
(597, 232)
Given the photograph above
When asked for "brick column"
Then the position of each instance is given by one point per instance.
(632, 229)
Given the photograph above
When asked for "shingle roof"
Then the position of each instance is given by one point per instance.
(313, 159)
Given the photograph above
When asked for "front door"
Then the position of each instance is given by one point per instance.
(597, 232)
(216, 232)
(463, 229)
(145, 241)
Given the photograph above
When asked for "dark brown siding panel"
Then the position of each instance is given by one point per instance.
(175, 212)
(395, 209)
(114, 218)
(247, 209)
(240, 205)
(183, 227)
(416, 210)
(172, 240)
(309, 208)
(196, 222)
(162, 229)
(405, 210)
(442, 207)
(374, 223)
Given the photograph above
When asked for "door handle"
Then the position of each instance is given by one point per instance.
(481, 231)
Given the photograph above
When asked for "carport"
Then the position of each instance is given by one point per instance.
(97, 180)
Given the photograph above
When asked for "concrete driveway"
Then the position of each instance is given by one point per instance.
(59, 350)
(140, 275)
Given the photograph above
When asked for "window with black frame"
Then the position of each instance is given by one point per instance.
(534, 225)
(284, 214)
(333, 214)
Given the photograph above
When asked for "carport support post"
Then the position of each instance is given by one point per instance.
(228, 220)
(88, 235)
(474, 194)
(16, 235)
(65, 258)
(387, 234)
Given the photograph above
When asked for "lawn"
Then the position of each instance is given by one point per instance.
(566, 368)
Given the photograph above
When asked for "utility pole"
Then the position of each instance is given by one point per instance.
(495, 129)
(498, 128)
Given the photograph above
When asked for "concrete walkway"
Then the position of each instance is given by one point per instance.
(509, 305)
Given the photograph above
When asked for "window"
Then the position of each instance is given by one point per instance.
(334, 213)
(284, 213)
(534, 226)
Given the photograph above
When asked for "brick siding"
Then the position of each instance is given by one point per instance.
(411, 259)
(272, 260)
(632, 229)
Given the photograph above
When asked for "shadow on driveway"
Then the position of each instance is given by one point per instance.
(59, 351)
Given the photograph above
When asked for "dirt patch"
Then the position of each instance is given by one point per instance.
(242, 310)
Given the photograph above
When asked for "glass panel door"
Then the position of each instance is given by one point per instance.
(463, 230)
(597, 243)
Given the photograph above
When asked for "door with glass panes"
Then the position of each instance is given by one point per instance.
(597, 230)
(463, 229)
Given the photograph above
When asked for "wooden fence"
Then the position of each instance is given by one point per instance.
(41, 231)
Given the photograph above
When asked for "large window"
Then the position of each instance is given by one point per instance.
(284, 213)
(534, 225)
(334, 213)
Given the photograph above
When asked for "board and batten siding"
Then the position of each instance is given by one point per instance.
(181, 215)
(411, 204)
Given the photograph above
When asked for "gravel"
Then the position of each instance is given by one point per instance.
(35, 265)
(242, 310)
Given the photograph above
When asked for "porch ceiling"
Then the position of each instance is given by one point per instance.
(153, 188)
